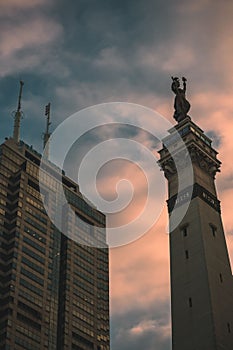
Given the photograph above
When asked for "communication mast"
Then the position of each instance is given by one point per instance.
(18, 115)
(47, 133)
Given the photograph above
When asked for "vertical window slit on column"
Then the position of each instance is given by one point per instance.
(190, 302)
(184, 230)
(220, 277)
(229, 327)
(213, 229)
(186, 254)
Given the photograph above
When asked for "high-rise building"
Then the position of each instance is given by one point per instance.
(201, 277)
(54, 291)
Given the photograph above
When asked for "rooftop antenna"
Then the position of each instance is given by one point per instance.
(47, 133)
(18, 115)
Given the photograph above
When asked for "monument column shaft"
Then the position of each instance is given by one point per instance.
(201, 278)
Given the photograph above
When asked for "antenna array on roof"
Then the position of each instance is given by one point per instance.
(18, 115)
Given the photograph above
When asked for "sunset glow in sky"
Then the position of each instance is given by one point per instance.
(76, 54)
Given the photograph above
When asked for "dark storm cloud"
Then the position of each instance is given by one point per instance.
(126, 50)
(108, 43)
(92, 52)
(92, 57)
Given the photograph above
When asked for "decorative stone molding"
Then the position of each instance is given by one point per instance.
(180, 160)
(205, 162)
(168, 166)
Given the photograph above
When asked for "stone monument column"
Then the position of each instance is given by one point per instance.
(200, 271)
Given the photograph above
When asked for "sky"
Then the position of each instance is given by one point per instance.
(76, 54)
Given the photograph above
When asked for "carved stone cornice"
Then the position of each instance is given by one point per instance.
(181, 160)
(168, 167)
(207, 163)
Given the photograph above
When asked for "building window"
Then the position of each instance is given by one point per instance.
(213, 229)
(220, 277)
(190, 302)
(186, 254)
(184, 230)
(229, 327)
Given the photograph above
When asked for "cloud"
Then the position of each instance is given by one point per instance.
(151, 332)
(169, 58)
(190, 7)
(110, 58)
(27, 39)
(146, 326)
(22, 3)
(29, 34)
(10, 6)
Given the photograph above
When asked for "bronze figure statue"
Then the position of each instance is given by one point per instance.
(181, 105)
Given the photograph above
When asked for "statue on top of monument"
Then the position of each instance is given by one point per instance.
(181, 105)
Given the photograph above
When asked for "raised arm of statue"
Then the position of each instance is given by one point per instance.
(184, 84)
(175, 85)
